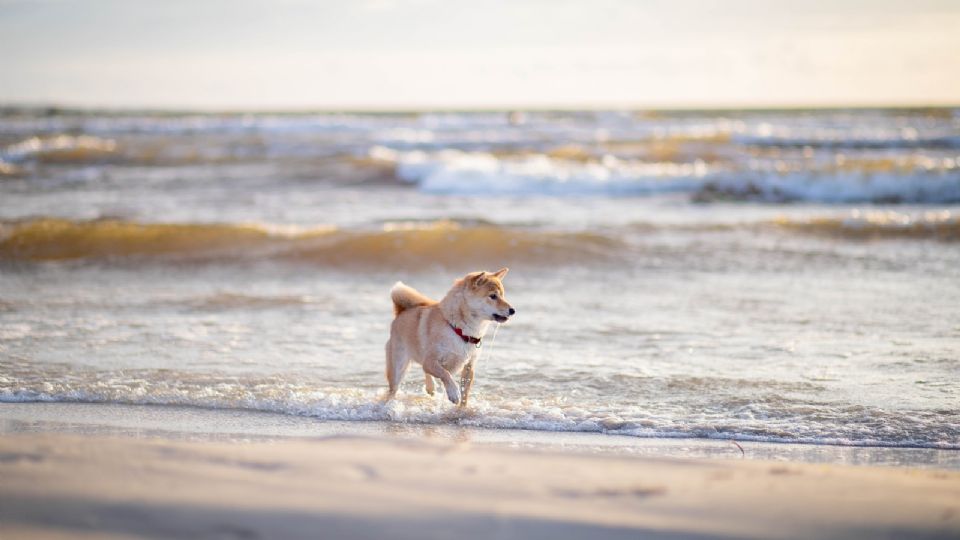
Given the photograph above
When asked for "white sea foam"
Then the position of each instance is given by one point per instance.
(62, 145)
(776, 421)
(458, 172)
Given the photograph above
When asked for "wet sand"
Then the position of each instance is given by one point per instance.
(69, 486)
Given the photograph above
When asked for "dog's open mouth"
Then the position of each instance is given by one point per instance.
(499, 318)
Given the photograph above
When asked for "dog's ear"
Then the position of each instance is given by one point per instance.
(477, 279)
(501, 272)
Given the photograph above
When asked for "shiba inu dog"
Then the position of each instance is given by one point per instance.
(444, 337)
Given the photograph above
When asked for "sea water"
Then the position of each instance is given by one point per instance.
(779, 276)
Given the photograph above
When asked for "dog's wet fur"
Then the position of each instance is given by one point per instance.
(421, 331)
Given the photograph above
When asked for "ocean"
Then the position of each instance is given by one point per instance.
(785, 276)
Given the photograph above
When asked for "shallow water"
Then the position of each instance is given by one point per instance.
(238, 425)
(787, 276)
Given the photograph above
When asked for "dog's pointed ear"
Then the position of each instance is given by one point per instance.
(477, 279)
(501, 272)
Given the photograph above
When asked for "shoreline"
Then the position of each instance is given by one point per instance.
(184, 423)
(91, 486)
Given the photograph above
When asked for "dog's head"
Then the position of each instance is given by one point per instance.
(485, 295)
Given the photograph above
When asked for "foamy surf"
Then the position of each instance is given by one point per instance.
(478, 173)
(780, 420)
(482, 173)
(59, 149)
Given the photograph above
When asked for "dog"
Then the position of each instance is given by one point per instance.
(444, 337)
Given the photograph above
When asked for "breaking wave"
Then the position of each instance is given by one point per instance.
(402, 244)
(855, 187)
(457, 172)
(59, 149)
(472, 173)
(941, 225)
(413, 244)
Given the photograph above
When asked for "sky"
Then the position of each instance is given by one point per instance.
(423, 54)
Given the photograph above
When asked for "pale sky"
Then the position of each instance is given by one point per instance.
(389, 54)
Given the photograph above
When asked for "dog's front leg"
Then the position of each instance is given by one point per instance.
(433, 367)
(466, 383)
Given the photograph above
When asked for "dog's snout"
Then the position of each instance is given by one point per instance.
(512, 311)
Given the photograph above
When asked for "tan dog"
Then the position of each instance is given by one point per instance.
(445, 336)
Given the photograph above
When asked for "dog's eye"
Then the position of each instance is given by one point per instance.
(493, 297)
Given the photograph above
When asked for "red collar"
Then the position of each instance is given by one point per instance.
(466, 339)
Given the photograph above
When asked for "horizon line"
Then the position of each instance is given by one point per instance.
(172, 109)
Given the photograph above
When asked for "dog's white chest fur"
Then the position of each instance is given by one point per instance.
(455, 353)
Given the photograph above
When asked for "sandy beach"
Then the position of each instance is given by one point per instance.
(69, 486)
(732, 231)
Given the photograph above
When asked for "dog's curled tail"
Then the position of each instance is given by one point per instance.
(405, 297)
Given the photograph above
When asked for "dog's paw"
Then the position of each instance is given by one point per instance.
(454, 394)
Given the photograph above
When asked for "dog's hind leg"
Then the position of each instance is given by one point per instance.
(397, 362)
(428, 383)
(466, 383)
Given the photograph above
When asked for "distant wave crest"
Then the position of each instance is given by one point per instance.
(411, 244)
(472, 173)
(860, 225)
(403, 244)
